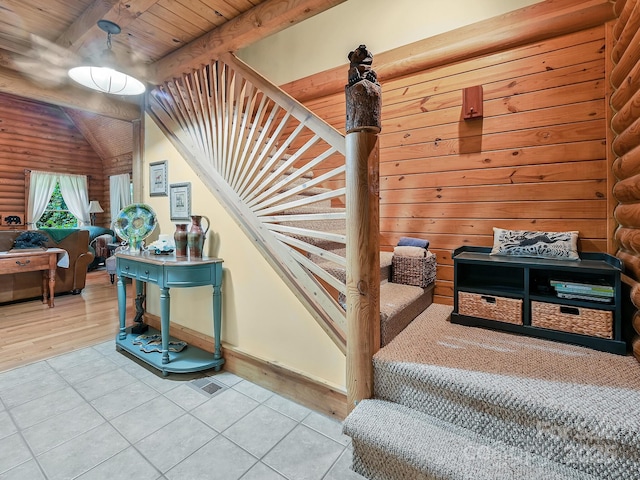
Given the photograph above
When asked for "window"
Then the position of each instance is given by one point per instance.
(57, 214)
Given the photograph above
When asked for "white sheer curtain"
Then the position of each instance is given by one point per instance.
(41, 185)
(76, 195)
(119, 193)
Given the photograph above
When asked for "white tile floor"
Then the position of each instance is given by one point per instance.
(99, 414)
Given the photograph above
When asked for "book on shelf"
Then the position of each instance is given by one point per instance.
(578, 291)
(585, 287)
(591, 298)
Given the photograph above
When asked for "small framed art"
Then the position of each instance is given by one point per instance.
(180, 201)
(158, 179)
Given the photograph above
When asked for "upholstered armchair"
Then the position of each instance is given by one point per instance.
(100, 244)
(99, 238)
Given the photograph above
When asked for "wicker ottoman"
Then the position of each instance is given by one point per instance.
(418, 271)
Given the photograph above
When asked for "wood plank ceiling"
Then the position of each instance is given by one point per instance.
(41, 39)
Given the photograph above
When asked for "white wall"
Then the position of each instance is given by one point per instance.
(261, 316)
(324, 41)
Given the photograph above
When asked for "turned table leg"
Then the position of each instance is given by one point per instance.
(45, 286)
(122, 306)
(165, 303)
(52, 285)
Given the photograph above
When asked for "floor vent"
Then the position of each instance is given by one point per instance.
(207, 386)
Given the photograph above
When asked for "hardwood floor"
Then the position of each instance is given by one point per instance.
(31, 331)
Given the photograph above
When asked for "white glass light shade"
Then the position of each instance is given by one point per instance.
(106, 80)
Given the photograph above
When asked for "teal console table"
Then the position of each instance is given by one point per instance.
(169, 272)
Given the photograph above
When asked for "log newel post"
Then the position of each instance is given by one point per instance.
(363, 105)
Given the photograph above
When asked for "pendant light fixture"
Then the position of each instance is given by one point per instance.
(106, 76)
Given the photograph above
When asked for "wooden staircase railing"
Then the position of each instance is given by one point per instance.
(274, 165)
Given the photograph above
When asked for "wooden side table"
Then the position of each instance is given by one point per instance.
(29, 260)
(170, 272)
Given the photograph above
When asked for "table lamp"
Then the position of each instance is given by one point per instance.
(94, 207)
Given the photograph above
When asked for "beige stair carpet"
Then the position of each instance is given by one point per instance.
(399, 305)
(431, 339)
(570, 404)
(393, 442)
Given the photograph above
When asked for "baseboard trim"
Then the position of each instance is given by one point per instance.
(313, 393)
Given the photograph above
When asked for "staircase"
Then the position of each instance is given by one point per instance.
(399, 303)
(280, 171)
(454, 402)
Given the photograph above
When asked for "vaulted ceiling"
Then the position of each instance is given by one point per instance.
(41, 39)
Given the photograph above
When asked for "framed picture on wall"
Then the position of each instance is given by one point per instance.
(180, 201)
(158, 179)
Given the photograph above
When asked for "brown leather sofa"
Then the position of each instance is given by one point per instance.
(20, 286)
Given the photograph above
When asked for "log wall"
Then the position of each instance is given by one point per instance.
(625, 124)
(537, 160)
(37, 136)
(112, 141)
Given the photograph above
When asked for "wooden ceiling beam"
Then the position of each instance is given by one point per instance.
(261, 21)
(85, 31)
(14, 43)
(85, 27)
(18, 53)
(16, 84)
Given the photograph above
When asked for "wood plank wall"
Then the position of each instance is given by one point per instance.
(111, 139)
(37, 136)
(537, 160)
(625, 123)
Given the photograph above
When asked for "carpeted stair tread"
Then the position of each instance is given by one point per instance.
(333, 225)
(313, 209)
(293, 182)
(385, 260)
(290, 170)
(339, 271)
(309, 192)
(325, 244)
(320, 204)
(399, 305)
(571, 404)
(323, 225)
(506, 353)
(391, 441)
(329, 225)
(304, 195)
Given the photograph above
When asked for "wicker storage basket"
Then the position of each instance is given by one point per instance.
(585, 321)
(501, 309)
(418, 271)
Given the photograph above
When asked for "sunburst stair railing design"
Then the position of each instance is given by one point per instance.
(278, 168)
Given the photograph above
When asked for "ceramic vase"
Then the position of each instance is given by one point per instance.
(196, 236)
(134, 245)
(180, 239)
